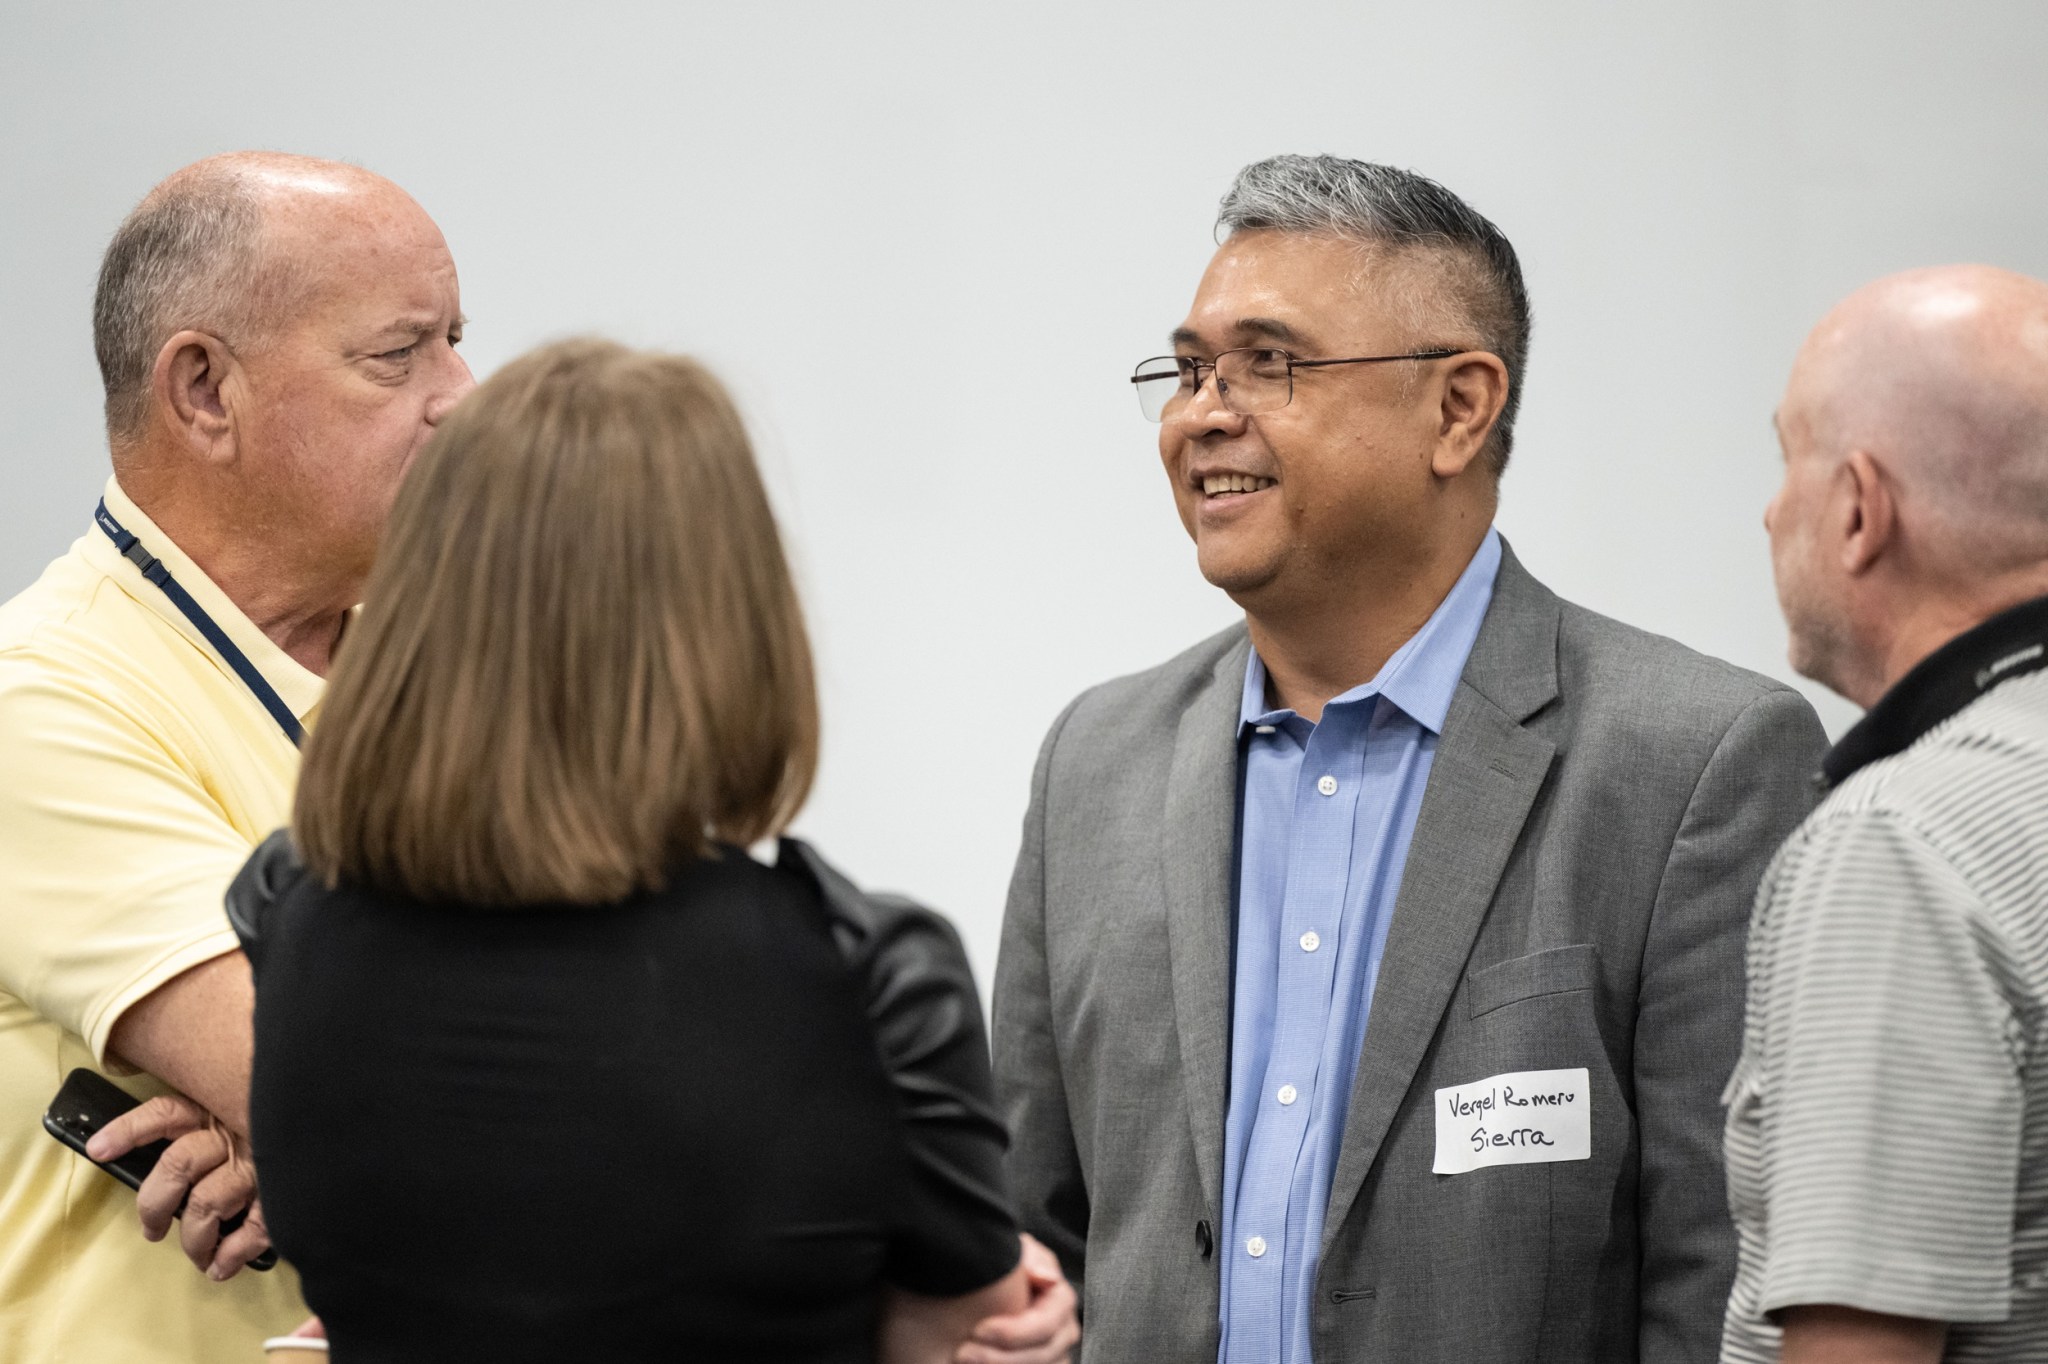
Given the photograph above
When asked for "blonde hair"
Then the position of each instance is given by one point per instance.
(581, 658)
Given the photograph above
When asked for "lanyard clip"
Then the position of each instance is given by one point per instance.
(151, 566)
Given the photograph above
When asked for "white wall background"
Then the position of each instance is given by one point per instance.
(925, 242)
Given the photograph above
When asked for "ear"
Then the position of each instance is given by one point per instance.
(193, 387)
(1471, 394)
(1868, 515)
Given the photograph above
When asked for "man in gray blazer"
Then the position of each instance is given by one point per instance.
(1371, 970)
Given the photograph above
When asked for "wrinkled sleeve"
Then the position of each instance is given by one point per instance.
(1750, 796)
(957, 1232)
(1893, 1103)
(113, 856)
(256, 887)
(1045, 1164)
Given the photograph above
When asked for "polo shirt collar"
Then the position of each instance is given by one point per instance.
(2010, 644)
(1422, 676)
(299, 688)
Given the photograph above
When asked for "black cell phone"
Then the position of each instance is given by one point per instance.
(89, 1101)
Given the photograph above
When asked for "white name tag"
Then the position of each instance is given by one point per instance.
(1518, 1119)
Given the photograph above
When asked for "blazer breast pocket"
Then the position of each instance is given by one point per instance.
(1553, 971)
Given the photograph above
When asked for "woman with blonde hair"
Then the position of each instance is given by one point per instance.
(547, 1066)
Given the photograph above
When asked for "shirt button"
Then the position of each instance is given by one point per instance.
(1255, 1247)
(1311, 940)
(1327, 784)
(1286, 1095)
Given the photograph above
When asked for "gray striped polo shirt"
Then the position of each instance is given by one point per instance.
(1887, 1136)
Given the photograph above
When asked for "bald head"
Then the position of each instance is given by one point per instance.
(1941, 376)
(226, 246)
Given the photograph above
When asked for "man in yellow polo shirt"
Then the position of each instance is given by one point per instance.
(277, 339)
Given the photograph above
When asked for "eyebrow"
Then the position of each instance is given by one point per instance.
(1263, 328)
(1269, 328)
(420, 325)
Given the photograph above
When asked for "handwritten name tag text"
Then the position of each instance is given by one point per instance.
(1514, 1119)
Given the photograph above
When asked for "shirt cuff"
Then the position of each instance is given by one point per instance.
(1951, 1290)
(99, 1023)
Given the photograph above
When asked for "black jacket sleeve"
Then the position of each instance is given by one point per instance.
(272, 867)
(959, 1232)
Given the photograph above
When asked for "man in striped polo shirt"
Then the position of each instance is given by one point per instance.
(1887, 1134)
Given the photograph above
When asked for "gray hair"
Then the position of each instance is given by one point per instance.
(1398, 209)
(189, 256)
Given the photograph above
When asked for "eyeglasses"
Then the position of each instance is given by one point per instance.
(1252, 380)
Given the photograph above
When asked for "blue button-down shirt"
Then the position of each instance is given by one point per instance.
(1329, 810)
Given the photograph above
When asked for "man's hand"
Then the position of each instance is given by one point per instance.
(202, 1174)
(1045, 1332)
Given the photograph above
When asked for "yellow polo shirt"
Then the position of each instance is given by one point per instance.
(136, 773)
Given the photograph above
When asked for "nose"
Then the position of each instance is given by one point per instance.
(457, 386)
(1203, 413)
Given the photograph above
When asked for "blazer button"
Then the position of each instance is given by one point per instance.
(1204, 1242)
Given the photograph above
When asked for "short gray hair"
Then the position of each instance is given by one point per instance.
(188, 256)
(1399, 209)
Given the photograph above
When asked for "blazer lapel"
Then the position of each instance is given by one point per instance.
(1482, 784)
(1198, 849)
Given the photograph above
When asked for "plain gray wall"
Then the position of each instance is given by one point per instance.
(926, 242)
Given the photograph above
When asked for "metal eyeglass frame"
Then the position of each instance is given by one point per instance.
(1223, 386)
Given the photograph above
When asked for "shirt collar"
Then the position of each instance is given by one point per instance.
(1422, 676)
(297, 686)
(2010, 644)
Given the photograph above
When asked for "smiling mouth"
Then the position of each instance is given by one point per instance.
(1224, 485)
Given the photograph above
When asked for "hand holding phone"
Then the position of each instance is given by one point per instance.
(88, 1102)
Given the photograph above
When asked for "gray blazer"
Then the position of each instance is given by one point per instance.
(1602, 805)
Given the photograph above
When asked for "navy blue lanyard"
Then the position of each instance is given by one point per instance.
(154, 570)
